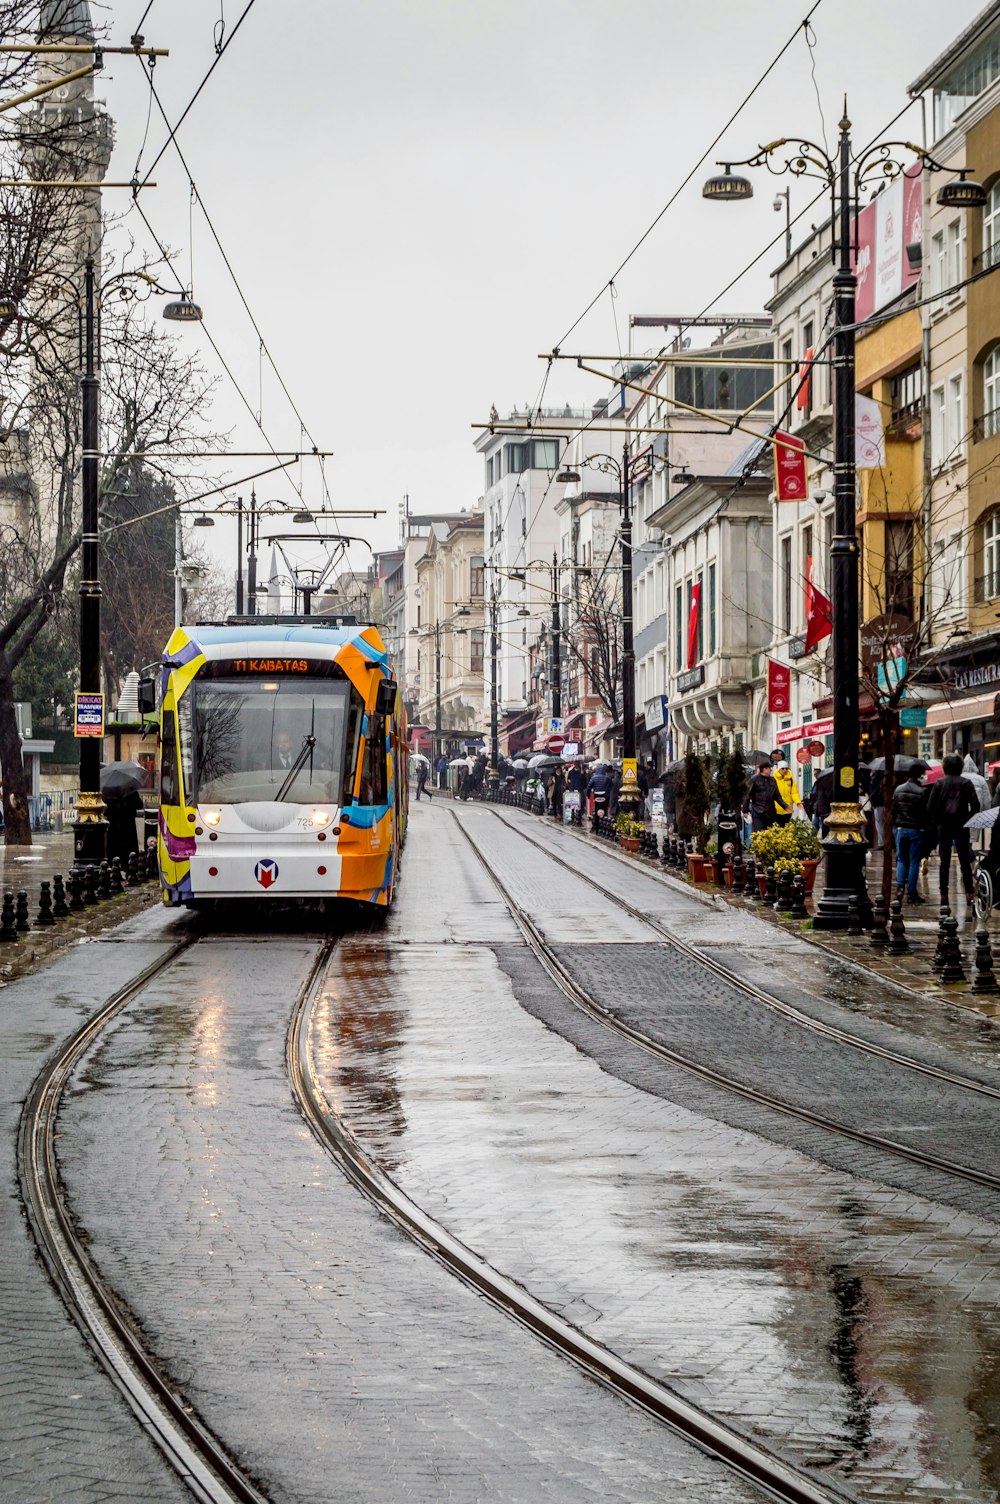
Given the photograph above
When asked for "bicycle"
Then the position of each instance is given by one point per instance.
(982, 887)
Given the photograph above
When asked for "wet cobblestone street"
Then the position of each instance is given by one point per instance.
(823, 1298)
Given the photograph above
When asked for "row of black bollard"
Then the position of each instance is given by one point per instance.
(85, 887)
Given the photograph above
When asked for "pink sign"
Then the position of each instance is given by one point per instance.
(885, 227)
(789, 467)
(799, 733)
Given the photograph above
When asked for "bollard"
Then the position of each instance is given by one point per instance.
(799, 910)
(771, 889)
(76, 901)
(21, 909)
(783, 901)
(90, 893)
(8, 920)
(737, 873)
(952, 970)
(984, 980)
(854, 925)
(45, 916)
(879, 937)
(117, 886)
(750, 878)
(132, 869)
(60, 908)
(898, 943)
(937, 960)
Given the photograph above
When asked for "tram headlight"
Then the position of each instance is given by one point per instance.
(211, 816)
(320, 817)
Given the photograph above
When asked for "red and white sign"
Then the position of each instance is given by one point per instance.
(869, 437)
(803, 755)
(885, 228)
(789, 467)
(799, 733)
(779, 687)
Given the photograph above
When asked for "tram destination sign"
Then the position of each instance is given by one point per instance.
(238, 668)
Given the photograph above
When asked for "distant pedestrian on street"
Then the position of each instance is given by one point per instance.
(442, 771)
(952, 801)
(787, 794)
(422, 770)
(909, 815)
(600, 787)
(761, 799)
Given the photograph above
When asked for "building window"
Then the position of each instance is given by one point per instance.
(899, 569)
(679, 628)
(476, 662)
(938, 272)
(991, 556)
(477, 576)
(786, 583)
(989, 423)
(805, 397)
(991, 231)
(518, 457)
(956, 257)
(711, 610)
(907, 396)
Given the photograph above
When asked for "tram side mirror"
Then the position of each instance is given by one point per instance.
(147, 696)
(385, 703)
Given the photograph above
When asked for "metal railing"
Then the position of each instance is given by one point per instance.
(988, 256)
(987, 426)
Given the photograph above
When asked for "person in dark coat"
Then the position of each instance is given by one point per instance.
(122, 838)
(909, 813)
(820, 801)
(760, 802)
(600, 787)
(952, 801)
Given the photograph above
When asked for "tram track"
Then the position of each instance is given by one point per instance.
(588, 1004)
(112, 1335)
(778, 1479)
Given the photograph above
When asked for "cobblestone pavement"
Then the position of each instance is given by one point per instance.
(779, 1277)
(333, 1356)
(65, 1433)
(851, 1321)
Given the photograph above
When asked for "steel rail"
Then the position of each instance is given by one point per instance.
(779, 1479)
(750, 989)
(585, 1001)
(164, 1414)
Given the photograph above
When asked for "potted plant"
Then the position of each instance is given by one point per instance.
(629, 832)
(806, 848)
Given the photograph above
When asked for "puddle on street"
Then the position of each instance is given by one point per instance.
(853, 1326)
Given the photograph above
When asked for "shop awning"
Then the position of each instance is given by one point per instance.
(976, 708)
(601, 729)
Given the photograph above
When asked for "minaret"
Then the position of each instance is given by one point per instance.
(67, 136)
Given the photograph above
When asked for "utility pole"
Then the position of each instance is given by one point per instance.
(556, 643)
(239, 556)
(628, 797)
(437, 688)
(494, 734)
(252, 560)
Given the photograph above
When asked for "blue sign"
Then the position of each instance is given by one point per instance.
(913, 717)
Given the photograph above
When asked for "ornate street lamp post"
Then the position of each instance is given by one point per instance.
(844, 845)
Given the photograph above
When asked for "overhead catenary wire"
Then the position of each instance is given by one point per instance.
(700, 162)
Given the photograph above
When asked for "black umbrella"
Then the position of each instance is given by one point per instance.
(120, 778)
(902, 763)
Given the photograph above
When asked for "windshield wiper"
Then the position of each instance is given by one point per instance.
(306, 750)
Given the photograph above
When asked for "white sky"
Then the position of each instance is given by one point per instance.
(418, 196)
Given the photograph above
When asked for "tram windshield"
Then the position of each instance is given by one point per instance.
(256, 739)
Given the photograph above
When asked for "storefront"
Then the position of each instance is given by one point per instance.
(965, 717)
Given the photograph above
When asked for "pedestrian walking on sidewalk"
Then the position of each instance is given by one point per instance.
(952, 801)
(786, 789)
(909, 814)
(761, 799)
(423, 769)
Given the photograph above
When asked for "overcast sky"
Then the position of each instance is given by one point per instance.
(418, 196)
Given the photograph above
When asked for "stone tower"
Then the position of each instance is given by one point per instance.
(66, 136)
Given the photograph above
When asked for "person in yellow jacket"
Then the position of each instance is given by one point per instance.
(787, 792)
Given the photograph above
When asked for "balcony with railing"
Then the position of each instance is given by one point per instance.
(988, 257)
(986, 587)
(987, 426)
(906, 422)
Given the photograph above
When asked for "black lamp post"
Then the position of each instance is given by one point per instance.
(90, 829)
(844, 845)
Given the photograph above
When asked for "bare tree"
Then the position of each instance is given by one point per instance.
(596, 634)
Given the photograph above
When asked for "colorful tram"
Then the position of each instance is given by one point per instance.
(282, 763)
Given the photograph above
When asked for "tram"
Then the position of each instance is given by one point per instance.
(282, 762)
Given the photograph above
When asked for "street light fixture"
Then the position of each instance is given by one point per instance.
(844, 845)
(183, 310)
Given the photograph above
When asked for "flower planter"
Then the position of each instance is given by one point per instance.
(629, 843)
(809, 870)
(727, 876)
(762, 884)
(697, 867)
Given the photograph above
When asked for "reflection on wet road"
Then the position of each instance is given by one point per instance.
(853, 1325)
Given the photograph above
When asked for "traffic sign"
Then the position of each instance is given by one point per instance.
(88, 714)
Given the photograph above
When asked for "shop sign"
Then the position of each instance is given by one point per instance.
(571, 803)
(657, 812)
(656, 713)
(980, 676)
(571, 750)
(799, 733)
(912, 717)
(925, 744)
(886, 637)
(693, 678)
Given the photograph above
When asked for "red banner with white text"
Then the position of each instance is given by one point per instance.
(779, 687)
(789, 467)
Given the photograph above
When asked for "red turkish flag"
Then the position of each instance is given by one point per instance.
(819, 613)
(779, 687)
(789, 467)
(804, 397)
(693, 624)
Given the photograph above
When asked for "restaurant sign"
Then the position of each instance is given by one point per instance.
(978, 676)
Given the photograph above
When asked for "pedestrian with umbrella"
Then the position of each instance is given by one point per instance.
(950, 804)
(120, 785)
